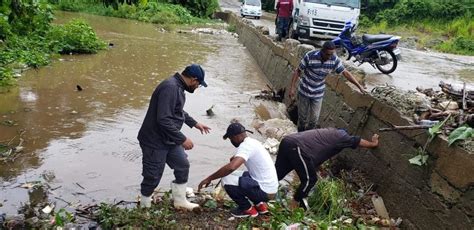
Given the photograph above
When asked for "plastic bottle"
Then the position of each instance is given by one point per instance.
(380, 206)
(428, 122)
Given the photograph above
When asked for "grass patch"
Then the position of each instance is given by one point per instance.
(328, 199)
(231, 28)
(146, 11)
(157, 217)
(456, 36)
(331, 207)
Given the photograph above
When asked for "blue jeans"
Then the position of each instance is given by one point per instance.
(243, 189)
(154, 161)
(283, 26)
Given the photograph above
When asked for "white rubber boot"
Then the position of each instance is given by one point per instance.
(179, 197)
(145, 201)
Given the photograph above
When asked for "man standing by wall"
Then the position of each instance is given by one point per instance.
(284, 10)
(160, 137)
(315, 66)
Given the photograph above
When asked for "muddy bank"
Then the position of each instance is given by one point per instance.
(436, 196)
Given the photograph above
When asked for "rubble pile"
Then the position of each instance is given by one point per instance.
(428, 107)
(458, 104)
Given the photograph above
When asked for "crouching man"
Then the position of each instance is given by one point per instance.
(305, 151)
(250, 189)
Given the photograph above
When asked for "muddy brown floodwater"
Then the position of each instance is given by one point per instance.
(83, 143)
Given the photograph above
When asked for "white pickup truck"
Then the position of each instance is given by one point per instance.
(322, 19)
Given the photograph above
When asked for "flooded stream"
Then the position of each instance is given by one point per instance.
(83, 143)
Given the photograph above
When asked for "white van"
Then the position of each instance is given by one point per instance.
(322, 19)
(251, 8)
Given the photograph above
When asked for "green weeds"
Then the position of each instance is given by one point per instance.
(329, 203)
(147, 11)
(446, 26)
(28, 39)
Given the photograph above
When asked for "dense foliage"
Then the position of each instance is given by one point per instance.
(268, 5)
(199, 8)
(28, 39)
(154, 11)
(448, 19)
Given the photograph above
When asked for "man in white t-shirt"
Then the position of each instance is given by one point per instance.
(250, 189)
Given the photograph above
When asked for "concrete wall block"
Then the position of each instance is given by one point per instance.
(400, 196)
(340, 123)
(351, 95)
(359, 120)
(303, 49)
(346, 113)
(466, 203)
(455, 219)
(457, 169)
(388, 114)
(441, 187)
(291, 45)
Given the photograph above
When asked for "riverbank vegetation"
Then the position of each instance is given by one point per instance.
(447, 26)
(342, 201)
(155, 11)
(29, 39)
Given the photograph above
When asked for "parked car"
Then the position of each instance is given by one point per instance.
(252, 8)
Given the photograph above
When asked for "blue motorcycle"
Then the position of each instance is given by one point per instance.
(379, 50)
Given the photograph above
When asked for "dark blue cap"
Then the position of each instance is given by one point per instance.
(235, 129)
(195, 71)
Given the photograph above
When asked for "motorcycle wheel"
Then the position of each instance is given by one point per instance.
(343, 53)
(387, 69)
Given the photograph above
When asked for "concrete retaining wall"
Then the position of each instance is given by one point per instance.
(437, 196)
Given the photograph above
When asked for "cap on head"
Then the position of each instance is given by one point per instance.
(195, 71)
(235, 129)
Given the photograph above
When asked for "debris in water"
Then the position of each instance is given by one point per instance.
(47, 209)
(271, 94)
(79, 185)
(9, 123)
(79, 88)
(209, 111)
(30, 185)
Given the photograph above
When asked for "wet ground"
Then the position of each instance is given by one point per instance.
(83, 143)
(417, 68)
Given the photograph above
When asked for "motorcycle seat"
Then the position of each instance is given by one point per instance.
(368, 38)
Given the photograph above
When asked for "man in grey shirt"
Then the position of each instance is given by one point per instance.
(160, 137)
(305, 151)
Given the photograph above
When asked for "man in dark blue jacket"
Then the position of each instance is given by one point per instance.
(160, 137)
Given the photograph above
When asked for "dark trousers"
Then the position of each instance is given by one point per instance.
(290, 158)
(282, 26)
(154, 161)
(248, 189)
